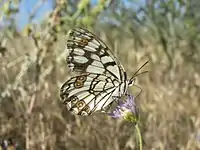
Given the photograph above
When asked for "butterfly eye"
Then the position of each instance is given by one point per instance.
(130, 83)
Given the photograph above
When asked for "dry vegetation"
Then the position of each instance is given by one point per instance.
(168, 106)
(34, 68)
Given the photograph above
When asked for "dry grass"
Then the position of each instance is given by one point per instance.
(31, 113)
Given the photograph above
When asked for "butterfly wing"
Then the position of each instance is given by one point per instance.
(87, 53)
(101, 75)
(88, 93)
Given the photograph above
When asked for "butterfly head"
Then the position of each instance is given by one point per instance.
(131, 81)
(133, 78)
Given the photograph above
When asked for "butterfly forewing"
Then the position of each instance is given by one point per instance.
(89, 54)
(101, 75)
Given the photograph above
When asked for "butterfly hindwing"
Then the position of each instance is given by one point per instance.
(88, 93)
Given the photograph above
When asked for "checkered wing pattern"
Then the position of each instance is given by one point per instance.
(101, 75)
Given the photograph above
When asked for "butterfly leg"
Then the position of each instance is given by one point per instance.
(127, 94)
(116, 101)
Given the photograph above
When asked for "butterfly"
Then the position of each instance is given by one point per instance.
(101, 77)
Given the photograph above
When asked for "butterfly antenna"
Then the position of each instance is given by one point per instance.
(136, 73)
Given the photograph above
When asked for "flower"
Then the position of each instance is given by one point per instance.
(127, 110)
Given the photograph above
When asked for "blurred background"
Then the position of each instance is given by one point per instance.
(33, 67)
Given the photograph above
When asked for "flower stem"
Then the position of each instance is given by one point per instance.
(139, 135)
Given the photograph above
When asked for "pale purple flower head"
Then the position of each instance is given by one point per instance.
(127, 110)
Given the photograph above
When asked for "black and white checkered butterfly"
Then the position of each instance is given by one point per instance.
(101, 78)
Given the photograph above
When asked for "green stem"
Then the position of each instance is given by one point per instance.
(139, 135)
